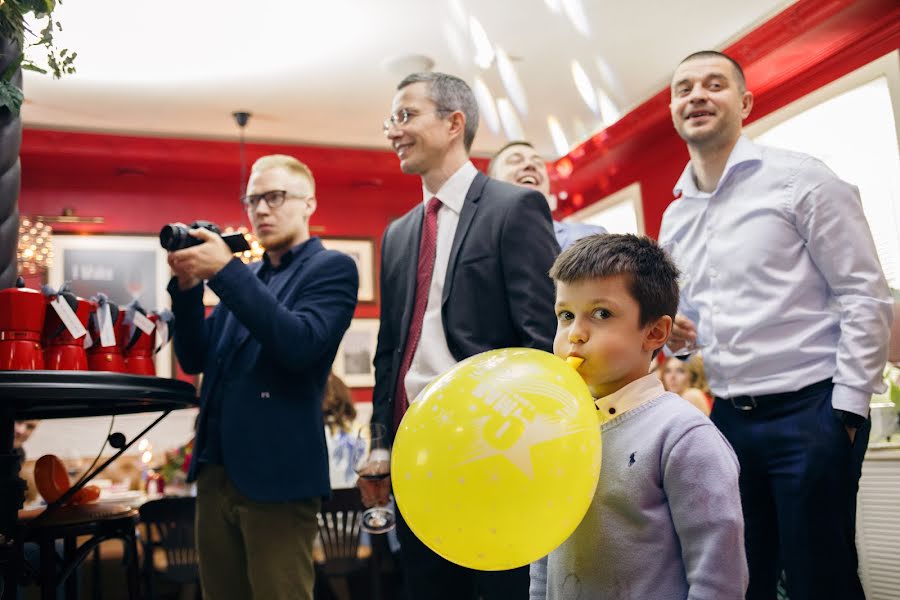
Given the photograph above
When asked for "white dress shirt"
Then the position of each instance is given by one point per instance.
(779, 272)
(433, 357)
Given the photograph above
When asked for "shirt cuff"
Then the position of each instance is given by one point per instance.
(851, 400)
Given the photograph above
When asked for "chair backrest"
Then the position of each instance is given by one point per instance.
(340, 522)
(169, 525)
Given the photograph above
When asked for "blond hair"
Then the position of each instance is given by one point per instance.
(288, 163)
(697, 373)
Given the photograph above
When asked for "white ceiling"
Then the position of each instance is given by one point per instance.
(315, 72)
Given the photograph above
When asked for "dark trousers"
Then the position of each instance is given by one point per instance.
(799, 480)
(252, 550)
(431, 577)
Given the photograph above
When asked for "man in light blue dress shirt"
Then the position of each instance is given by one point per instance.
(782, 289)
(519, 163)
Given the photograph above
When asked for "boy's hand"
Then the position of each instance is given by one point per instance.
(684, 333)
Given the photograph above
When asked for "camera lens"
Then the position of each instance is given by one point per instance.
(174, 237)
(171, 237)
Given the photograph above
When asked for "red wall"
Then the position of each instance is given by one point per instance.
(140, 183)
(806, 46)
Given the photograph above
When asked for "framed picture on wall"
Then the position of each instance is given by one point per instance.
(362, 251)
(353, 362)
(124, 267)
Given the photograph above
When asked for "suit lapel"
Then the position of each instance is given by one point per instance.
(470, 206)
(409, 234)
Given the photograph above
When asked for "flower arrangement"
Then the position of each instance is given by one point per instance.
(177, 464)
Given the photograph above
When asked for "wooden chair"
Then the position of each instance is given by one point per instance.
(340, 522)
(169, 526)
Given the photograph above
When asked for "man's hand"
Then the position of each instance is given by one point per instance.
(193, 265)
(684, 333)
(851, 431)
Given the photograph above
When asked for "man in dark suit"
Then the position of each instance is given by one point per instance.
(463, 272)
(266, 350)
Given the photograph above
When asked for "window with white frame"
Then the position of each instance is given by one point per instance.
(851, 125)
(621, 212)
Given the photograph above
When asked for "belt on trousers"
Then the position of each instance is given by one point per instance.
(748, 403)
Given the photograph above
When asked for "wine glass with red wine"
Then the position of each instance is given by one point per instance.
(373, 465)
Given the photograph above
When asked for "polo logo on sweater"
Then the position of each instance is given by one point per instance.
(264, 394)
(631, 459)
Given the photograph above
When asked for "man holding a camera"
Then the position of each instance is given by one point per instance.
(261, 463)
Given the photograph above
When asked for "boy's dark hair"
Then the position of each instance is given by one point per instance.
(652, 274)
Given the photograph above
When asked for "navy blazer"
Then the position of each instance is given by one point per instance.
(497, 292)
(272, 431)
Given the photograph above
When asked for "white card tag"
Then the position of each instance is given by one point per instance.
(68, 317)
(142, 322)
(107, 335)
(162, 335)
(88, 340)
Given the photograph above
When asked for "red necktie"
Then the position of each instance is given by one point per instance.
(427, 250)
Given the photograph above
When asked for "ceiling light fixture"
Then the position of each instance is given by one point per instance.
(486, 104)
(484, 50)
(608, 76)
(609, 112)
(558, 135)
(512, 127)
(553, 5)
(574, 9)
(241, 117)
(458, 12)
(585, 87)
(511, 82)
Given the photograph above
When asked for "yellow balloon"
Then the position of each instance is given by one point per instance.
(497, 461)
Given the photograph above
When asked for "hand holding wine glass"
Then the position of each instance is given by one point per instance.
(372, 462)
(684, 339)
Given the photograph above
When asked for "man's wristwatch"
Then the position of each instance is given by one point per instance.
(850, 419)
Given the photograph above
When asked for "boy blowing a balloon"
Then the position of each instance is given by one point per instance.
(666, 518)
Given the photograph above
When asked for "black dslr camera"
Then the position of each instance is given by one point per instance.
(175, 236)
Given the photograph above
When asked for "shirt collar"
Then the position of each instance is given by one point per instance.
(288, 256)
(453, 193)
(744, 151)
(631, 396)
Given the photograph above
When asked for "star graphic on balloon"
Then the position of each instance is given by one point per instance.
(541, 429)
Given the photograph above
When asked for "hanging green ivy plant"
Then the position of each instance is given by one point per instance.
(12, 27)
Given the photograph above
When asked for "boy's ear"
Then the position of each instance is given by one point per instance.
(657, 333)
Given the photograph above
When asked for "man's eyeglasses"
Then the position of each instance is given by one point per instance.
(273, 198)
(402, 117)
